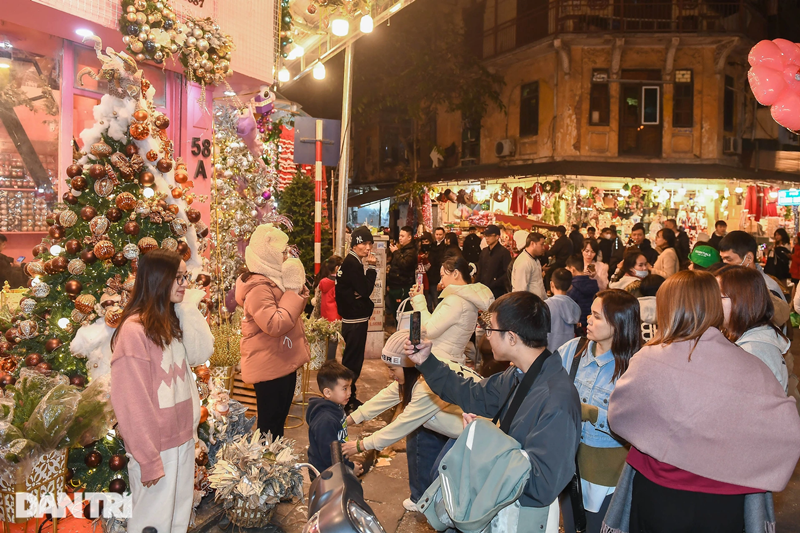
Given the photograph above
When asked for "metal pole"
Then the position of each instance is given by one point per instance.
(344, 163)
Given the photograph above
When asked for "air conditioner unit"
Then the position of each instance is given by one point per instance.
(786, 137)
(731, 145)
(505, 148)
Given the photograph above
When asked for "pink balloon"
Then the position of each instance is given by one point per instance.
(786, 112)
(791, 75)
(767, 84)
(767, 54)
(791, 52)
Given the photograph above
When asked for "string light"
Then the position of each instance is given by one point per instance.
(367, 24)
(284, 75)
(55, 249)
(340, 27)
(63, 323)
(148, 192)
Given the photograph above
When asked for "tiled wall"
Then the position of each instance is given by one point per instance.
(249, 22)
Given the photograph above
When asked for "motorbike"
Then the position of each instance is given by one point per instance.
(336, 501)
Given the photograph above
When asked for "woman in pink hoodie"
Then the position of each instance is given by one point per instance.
(273, 345)
(161, 335)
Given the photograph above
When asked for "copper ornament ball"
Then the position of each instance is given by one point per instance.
(88, 212)
(4, 347)
(152, 156)
(131, 228)
(181, 176)
(38, 250)
(113, 317)
(164, 165)
(119, 259)
(131, 150)
(193, 215)
(114, 214)
(125, 201)
(11, 335)
(73, 246)
(52, 345)
(78, 183)
(59, 263)
(44, 367)
(6, 380)
(184, 251)
(117, 462)
(56, 231)
(177, 192)
(33, 359)
(77, 381)
(140, 115)
(147, 179)
(93, 459)
(118, 486)
(73, 287)
(70, 198)
(74, 170)
(88, 257)
(104, 250)
(97, 171)
(173, 208)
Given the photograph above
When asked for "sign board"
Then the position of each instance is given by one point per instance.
(789, 197)
(305, 146)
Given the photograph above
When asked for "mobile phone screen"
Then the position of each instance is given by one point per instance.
(21, 258)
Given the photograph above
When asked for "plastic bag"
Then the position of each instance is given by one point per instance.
(51, 419)
(28, 392)
(6, 408)
(94, 416)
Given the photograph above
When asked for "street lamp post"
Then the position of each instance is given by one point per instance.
(344, 165)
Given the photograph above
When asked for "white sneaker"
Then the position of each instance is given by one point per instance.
(409, 505)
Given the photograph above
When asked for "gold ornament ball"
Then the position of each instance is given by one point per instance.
(130, 9)
(131, 17)
(151, 19)
(85, 303)
(137, 47)
(140, 57)
(76, 267)
(197, 33)
(104, 250)
(202, 45)
(147, 244)
(142, 36)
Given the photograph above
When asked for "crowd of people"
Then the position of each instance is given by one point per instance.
(657, 379)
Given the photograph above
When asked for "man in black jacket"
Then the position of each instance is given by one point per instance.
(638, 240)
(472, 246)
(400, 276)
(720, 230)
(436, 256)
(547, 423)
(493, 262)
(681, 241)
(353, 289)
(577, 239)
(561, 250)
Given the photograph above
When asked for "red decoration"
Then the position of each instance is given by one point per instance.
(117, 462)
(118, 486)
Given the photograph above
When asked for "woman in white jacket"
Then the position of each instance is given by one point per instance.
(667, 263)
(453, 322)
(426, 420)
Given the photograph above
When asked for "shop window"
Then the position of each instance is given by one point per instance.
(651, 102)
(29, 130)
(599, 99)
(728, 104)
(683, 100)
(470, 142)
(529, 110)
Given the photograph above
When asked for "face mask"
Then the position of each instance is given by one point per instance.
(641, 273)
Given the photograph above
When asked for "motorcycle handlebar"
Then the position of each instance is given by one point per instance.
(336, 452)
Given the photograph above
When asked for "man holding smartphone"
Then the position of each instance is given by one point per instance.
(11, 270)
(354, 284)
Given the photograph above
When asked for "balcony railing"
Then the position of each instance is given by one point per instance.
(625, 16)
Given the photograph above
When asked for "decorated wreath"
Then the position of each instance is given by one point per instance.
(152, 31)
(551, 186)
(502, 194)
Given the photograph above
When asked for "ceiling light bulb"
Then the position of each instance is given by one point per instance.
(340, 27)
(83, 32)
(738, 190)
(229, 93)
(296, 52)
(395, 8)
(55, 249)
(583, 192)
(367, 24)
(284, 75)
(319, 71)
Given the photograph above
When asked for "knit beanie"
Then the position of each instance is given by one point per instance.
(360, 235)
(394, 351)
(264, 254)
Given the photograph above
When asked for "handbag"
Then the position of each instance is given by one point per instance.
(403, 316)
(574, 487)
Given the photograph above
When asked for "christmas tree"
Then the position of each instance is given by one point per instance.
(128, 196)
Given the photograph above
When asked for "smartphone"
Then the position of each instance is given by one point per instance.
(20, 259)
(591, 268)
(415, 335)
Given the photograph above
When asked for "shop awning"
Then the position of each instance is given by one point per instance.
(370, 197)
(521, 222)
(606, 169)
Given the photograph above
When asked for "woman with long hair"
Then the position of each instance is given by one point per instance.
(451, 240)
(779, 257)
(613, 335)
(748, 311)
(595, 269)
(326, 285)
(667, 263)
(633, 269)
(707, 422)
(160, 336)
(273, 296)
(452, 323)
(426, 420)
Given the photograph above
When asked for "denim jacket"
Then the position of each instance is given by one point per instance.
(594, 385)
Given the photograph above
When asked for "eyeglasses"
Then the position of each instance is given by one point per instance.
(490, 330)
(182, 279)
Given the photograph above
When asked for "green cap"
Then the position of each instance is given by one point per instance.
(704, 256)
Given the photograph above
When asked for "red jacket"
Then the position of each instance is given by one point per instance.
(794, 269)
(273, 342)
(327, 300)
